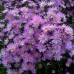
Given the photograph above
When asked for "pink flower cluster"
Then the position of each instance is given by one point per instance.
(34, 33)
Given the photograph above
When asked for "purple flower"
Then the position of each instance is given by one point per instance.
(11, 47)
(17, 59)
(68, 30)
(68, 45)
(57, 57)
(43, 38)
(28, 58)
(34, 32)
(41, 47)
(36, 20)
(45, 28)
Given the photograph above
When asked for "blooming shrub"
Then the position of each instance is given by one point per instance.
(35, 31)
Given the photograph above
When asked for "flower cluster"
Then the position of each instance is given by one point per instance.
(34, 33)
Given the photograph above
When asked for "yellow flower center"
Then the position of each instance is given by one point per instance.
(55, 38)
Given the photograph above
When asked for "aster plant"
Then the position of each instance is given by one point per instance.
(34, 31)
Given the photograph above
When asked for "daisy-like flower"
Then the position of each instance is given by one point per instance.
(56, 39)
(16, 59)
(68, 30)
(72, 51)
(41, 47)
(45, 28)
(9, 71)
(8, 28)
(68, 64)
(52, 27)
(60, 16)
(68, 44)
(21, 42)
(42, 4)
(63, 26)
(1, 25)
(36, 20)
(51, 11)
(32, 4)
(25, 66)
(28, 58)
(53, 72)
(23, 1)
(11, 47)
(43, 38)
(50, 3)
(11, 36)
(13, 12)
(57, 57)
